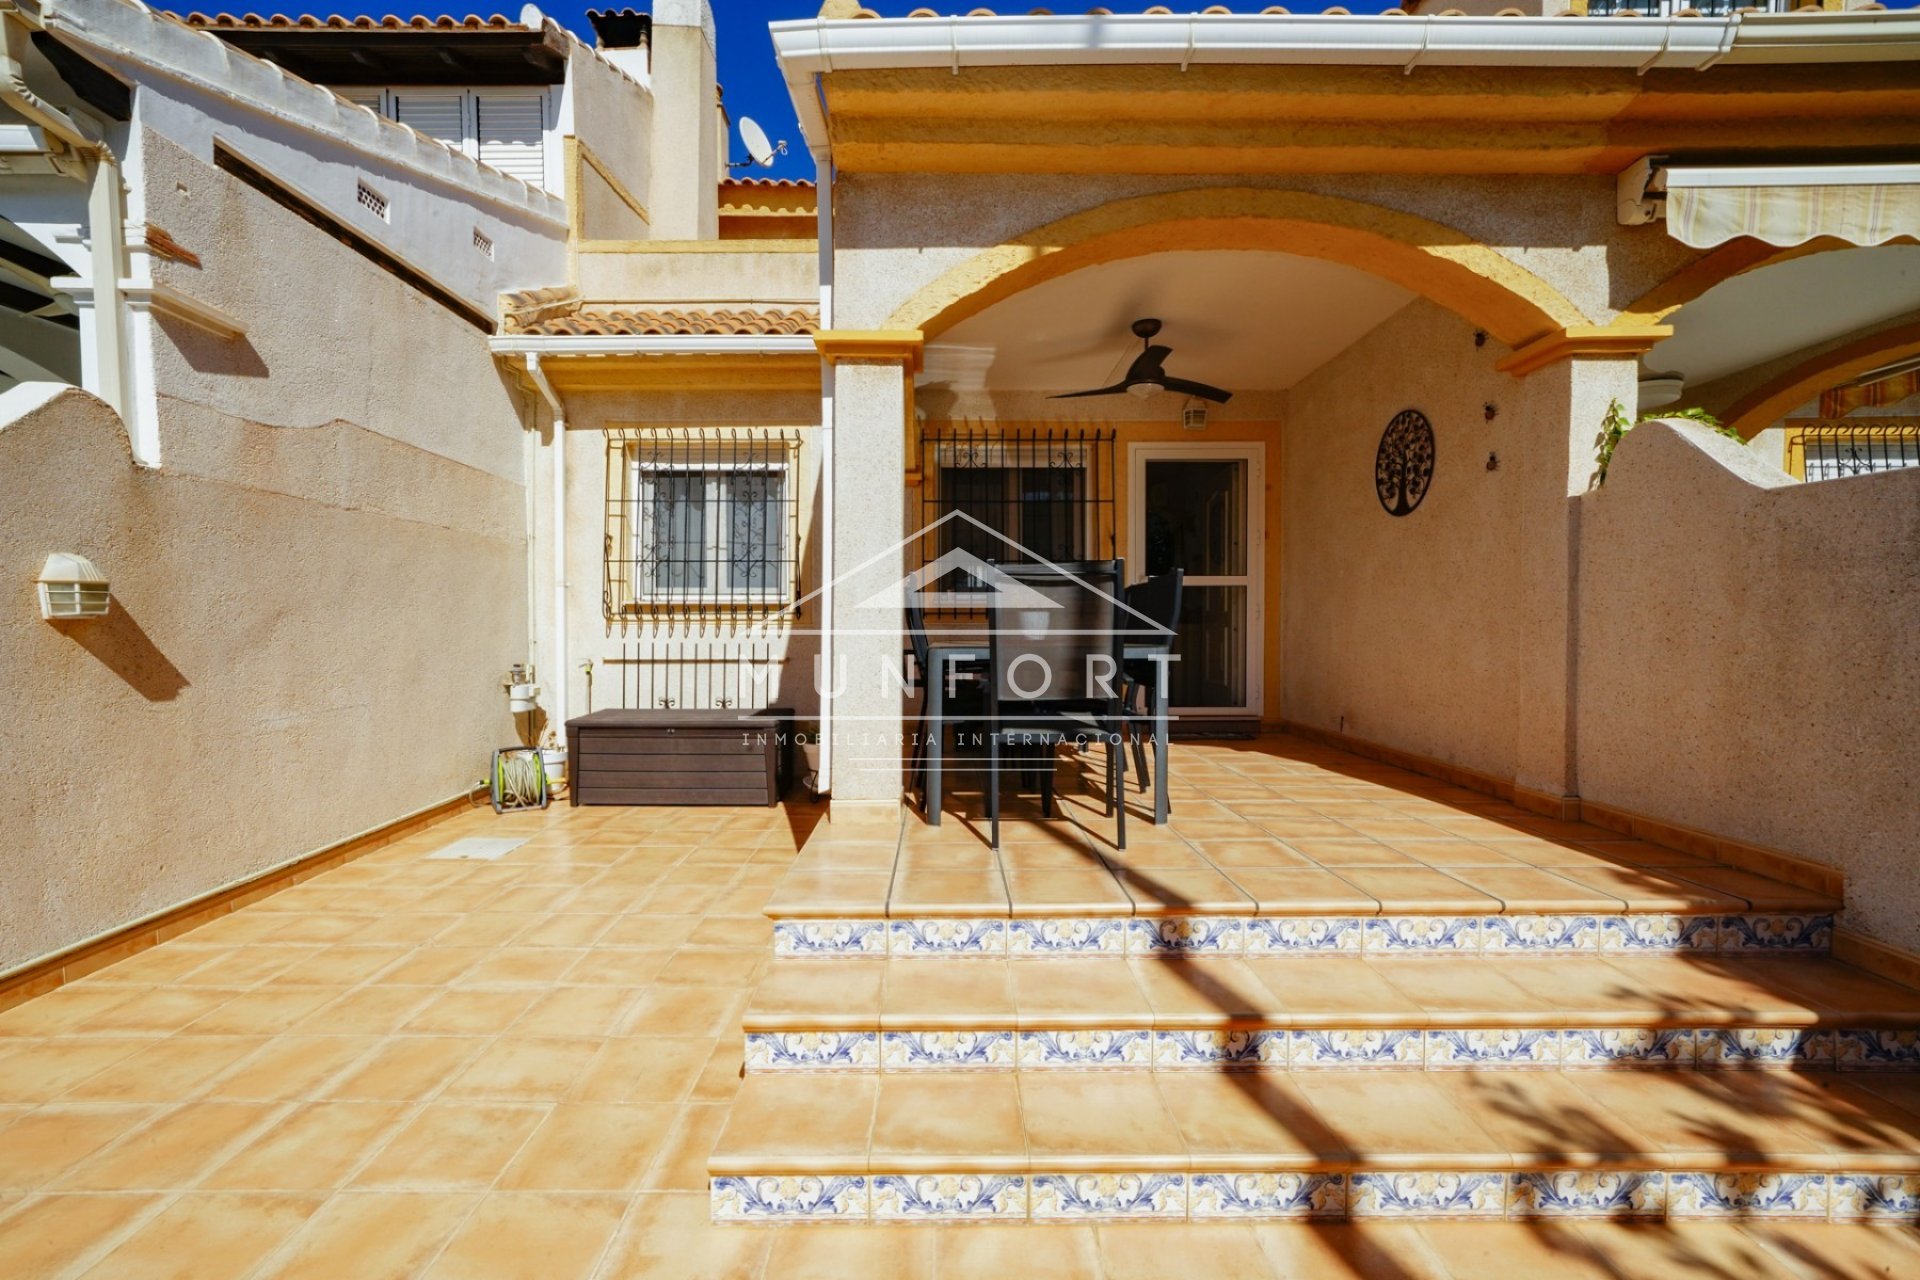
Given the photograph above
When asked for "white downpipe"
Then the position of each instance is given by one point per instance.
(823, 188)
(559, 675)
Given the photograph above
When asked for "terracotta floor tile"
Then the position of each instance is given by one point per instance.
(799, 1124)
(1350, 851)
(672, 1237)
(643, 1069)
(63, 1009)
(1203, 992)
(754, 932)
(1543, 1116)
(1416, 890)
(530, 1236)
(1463, 993)
(1833, 985)
(1334, 991)
(1524, 890)
(625, 967)
(161, 1011)
(1701, 1119)
(50, 1235)
(1075, 994)
(1448, 851)
(1246, 1120)
(166, 1070)
(1149, 857)
(1097, 1121)
(682, 1162)
(1301, 892)
(470, 1013)
(405, 1069)
(841, 995)
(1059, 893)
(344, 965)
(935, 1122)
(1530, 1249)
(1748, 993)
(370, 1010)
(1398, 1119)
(735, 967)
(522, 966)
(524, 1069)
(929, 995)
(586, 1011)
(830, 893)
(1176, 891)
(947, 893)
(995, 1253)
(264, 1012)
(1643, 853)
(1066, 855)
(1359, 1249)
(315, 1148)
(38, 1147)
(1762, 893)
(1645, 889)
(1229, 855)
(905, 1253)
(218, 1236)
(371, 1234)
(1814, 1250)
(170, 1152)
(1716, 1250)
(291, 1066)
(44, 1071)
(685, 1010)
(591, 1147)
(1155, 1251)
(451, 1146)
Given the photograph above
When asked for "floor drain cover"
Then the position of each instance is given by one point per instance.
(478, 849)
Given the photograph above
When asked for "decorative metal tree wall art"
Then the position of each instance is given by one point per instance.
(1403, 468)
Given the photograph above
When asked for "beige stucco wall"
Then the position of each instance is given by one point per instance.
(1444, 632)
(314, 598)
(715, 273)
(1746, 652)
(613, 118)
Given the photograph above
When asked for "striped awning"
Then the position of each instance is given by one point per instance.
(1790, 205)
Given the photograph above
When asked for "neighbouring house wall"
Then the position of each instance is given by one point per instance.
(315, 596)
(302, 645)
(612, 116)
(1442, 632)
(1746, 659)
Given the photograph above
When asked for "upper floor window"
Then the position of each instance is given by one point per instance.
(502, 128)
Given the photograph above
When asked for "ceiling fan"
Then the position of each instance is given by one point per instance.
(1147, 374)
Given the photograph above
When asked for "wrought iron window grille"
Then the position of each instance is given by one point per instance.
(1834, 450)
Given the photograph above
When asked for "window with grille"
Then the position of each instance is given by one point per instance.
(1833, 450)
(701, 521)
(1029, 493)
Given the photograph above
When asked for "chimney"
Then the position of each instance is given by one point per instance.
(685, 201)
(624, 38)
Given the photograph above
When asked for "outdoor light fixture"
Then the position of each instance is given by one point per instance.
(71, 588)
(1658, 390)
(1193, 415)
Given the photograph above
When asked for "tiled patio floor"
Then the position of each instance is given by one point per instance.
(408, 1067)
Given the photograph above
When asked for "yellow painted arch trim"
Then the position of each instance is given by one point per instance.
(1734, 258)
(1471, 279)
(1767, 404)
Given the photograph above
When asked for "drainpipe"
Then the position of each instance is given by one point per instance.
(104, 216)
(538, 376)
(823, 212)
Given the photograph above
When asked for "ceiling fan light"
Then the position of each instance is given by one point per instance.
(1144, 389)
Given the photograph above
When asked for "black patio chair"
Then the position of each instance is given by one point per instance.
(1055, 646)
(965, 701)
(1157, 600)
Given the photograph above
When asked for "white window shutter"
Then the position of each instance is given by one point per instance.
(437, 115)
(371, 99)
(512, 129)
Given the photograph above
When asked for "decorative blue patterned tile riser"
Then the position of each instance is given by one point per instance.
(1745, 934)
(1065, 1197)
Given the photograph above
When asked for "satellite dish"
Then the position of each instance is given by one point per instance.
(758, 147)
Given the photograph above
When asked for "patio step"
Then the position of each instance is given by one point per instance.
(885, 887)
(1281, 1013)
(1076, 1146)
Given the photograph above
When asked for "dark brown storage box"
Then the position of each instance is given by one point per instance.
(679, 757)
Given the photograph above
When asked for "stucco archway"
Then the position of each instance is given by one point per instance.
(1735, 258)
(1475, 281)
(1767, 404)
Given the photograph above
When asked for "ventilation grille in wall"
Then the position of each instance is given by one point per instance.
(372, 201)
(482, 242)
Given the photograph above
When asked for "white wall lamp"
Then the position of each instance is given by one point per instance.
(72, 588)
(1193, 415)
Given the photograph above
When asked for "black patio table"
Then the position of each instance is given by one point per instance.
(974, 653)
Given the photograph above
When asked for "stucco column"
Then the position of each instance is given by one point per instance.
(1570, 398)
(870, 556)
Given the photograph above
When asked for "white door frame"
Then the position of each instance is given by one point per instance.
(1254, 454)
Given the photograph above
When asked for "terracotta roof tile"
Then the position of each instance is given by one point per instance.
(801, 183)
(343, 22)
(643, 323)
